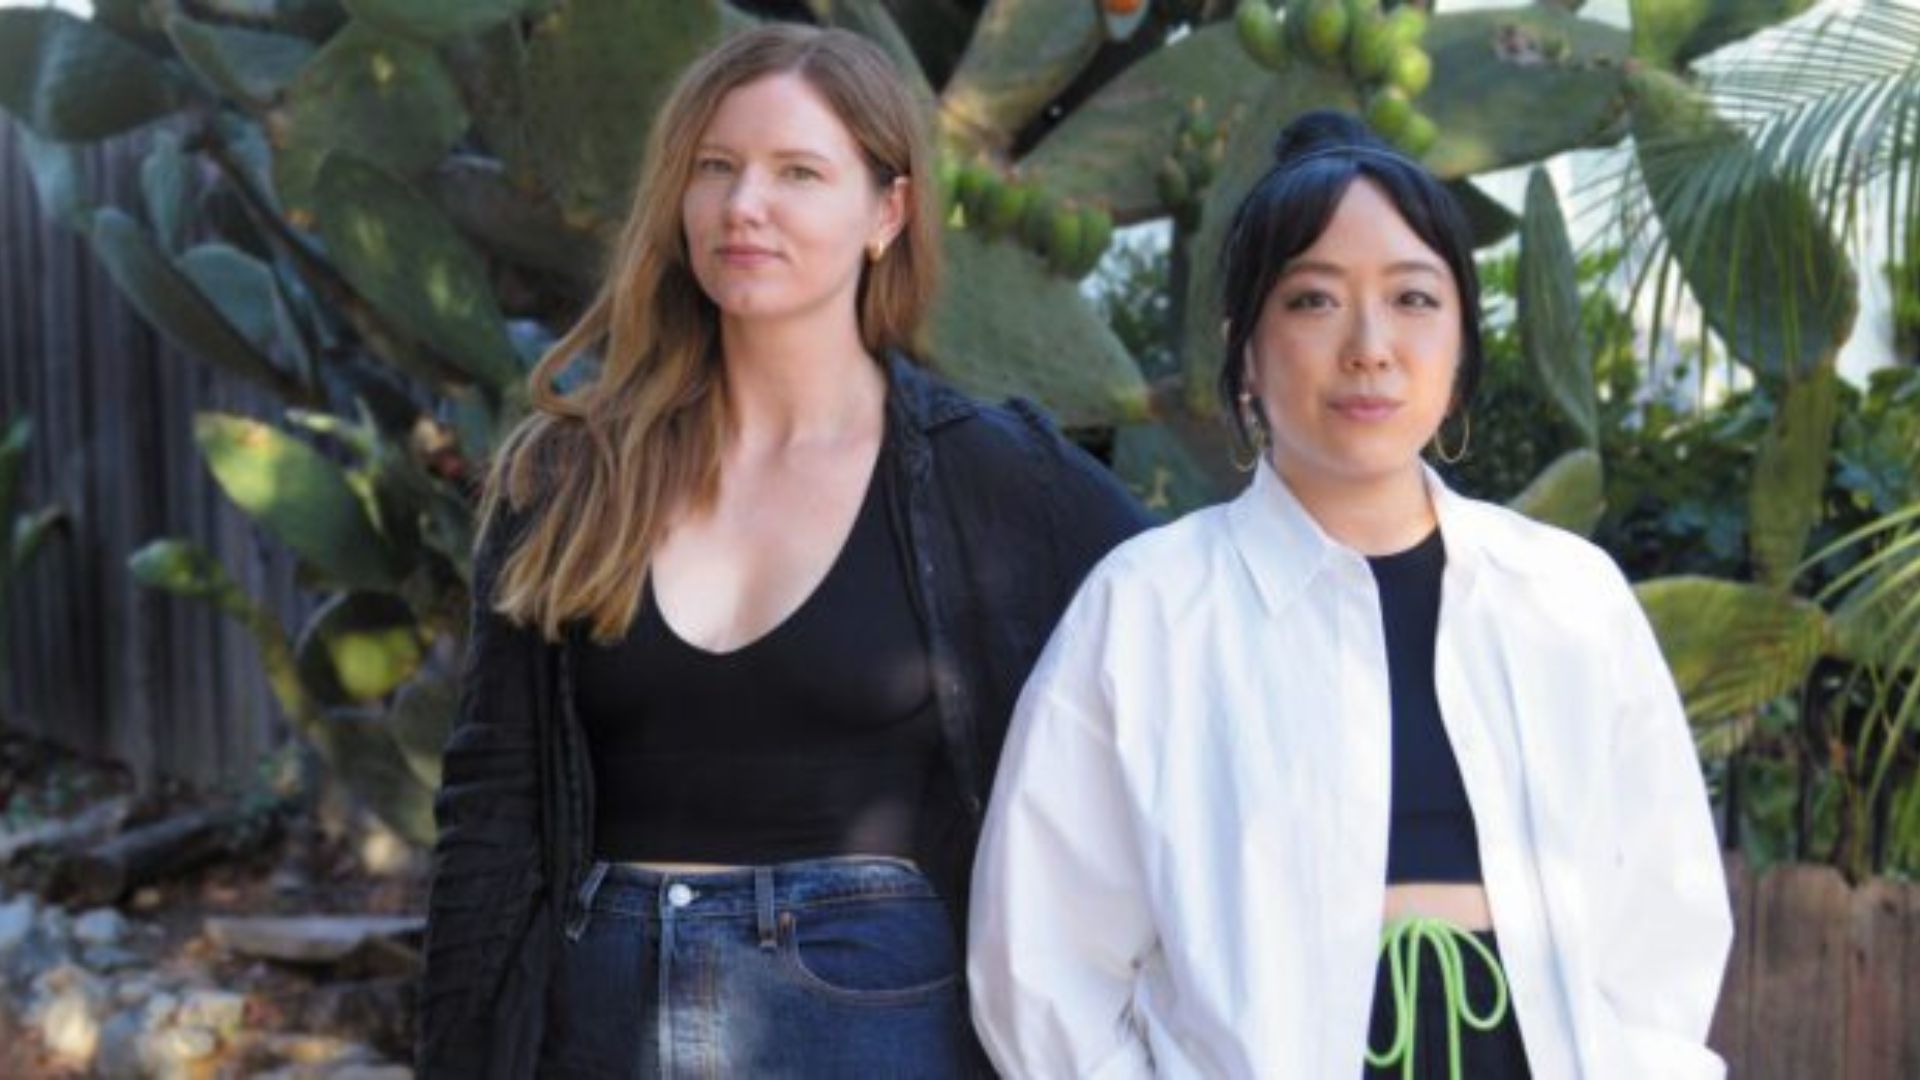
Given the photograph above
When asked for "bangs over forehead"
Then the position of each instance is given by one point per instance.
(1288, 210)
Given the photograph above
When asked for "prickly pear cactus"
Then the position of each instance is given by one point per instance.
(394, 203)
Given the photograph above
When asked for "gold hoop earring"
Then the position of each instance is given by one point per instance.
(1256, 439)
(1466, 440)
(875, 250)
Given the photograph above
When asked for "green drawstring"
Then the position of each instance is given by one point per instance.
(1402, 939)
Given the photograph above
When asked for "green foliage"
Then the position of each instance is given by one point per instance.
(70, 80)
(1673, 32)
(1732, 647)
(396, 249)
(301, 497)
(383, 99)
(1570, 493)
(1547, 290)
(23, 532)
(251, 66)
(394, 206)
(168, 298)
(1005, 325)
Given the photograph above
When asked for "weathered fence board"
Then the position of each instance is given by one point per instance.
(1732, 1023)
(1877, 973)
(94, 661)
(1824, 980)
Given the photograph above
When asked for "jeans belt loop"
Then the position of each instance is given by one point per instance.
(763, 900)
(583, 904)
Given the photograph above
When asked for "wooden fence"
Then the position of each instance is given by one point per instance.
(93, 660)
(1824, 983)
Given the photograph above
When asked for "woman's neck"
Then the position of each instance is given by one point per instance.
(1376, 516)
(795, 384)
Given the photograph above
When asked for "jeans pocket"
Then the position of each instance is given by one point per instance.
(894, 951)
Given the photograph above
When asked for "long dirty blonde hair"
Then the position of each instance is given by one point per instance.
(603, 466)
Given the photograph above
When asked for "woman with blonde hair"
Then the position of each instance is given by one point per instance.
(1362, 777)
(751, 609)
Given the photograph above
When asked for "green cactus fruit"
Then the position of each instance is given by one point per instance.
(1325, 29)
(1036, 225)
(970, 188)
(1005, 205)
(1407, 25)
(1419, 134)
(1064, 240)
(1096, 233)
(1260, 34)
(1170, 181)
(1369, 49)
(1410, 70)
(946, 178)
(1389, 112)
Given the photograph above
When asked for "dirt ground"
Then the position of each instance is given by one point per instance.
(313, 859)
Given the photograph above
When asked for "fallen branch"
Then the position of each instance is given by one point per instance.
(86, 827)
(152, 853)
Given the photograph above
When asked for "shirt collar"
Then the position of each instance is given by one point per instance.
(1284, 548)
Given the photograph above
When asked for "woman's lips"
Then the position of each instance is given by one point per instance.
(744, 255)
(1366, 408)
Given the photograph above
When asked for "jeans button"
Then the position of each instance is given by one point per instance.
(679, 894)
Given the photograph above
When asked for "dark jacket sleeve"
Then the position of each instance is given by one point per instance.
(478, 1007)
(1089, 511)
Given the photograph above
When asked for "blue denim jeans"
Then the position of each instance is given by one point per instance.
(822, 968)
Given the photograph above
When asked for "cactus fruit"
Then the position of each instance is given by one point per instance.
(1389, 112)
(946, 180)
(1406, 25)
(1369, 48)
(1036, 225)
(1260, 34)
(1419, 134)
(1096, 234)
(1410, 70)
(1324, 32)
(970, 188)
(1006, 203)
(1065, 238)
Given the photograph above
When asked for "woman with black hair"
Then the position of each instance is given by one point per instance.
(1288, 765)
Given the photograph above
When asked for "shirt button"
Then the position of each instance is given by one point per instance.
(679, 894)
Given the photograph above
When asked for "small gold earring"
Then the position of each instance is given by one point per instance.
(875, 250)
(1466, 440)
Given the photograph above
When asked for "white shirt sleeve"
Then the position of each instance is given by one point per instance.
(1059, 921)
(1668, 926)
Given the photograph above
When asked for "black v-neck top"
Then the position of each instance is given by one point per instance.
(1432, 837)
(815, 739)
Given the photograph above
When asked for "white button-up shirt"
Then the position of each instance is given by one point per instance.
(1184, 866)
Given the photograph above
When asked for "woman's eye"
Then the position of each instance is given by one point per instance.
(802, 172)
(713, 166)
(1309, 301)
(1420, 299)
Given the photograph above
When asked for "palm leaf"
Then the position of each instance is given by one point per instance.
(1877, 626)
(1827, 106)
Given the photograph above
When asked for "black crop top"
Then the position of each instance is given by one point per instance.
(1432, 837)
(812, 740)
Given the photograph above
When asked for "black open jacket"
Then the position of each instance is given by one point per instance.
(1002, 518)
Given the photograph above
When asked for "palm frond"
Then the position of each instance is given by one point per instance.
(1828, 106)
